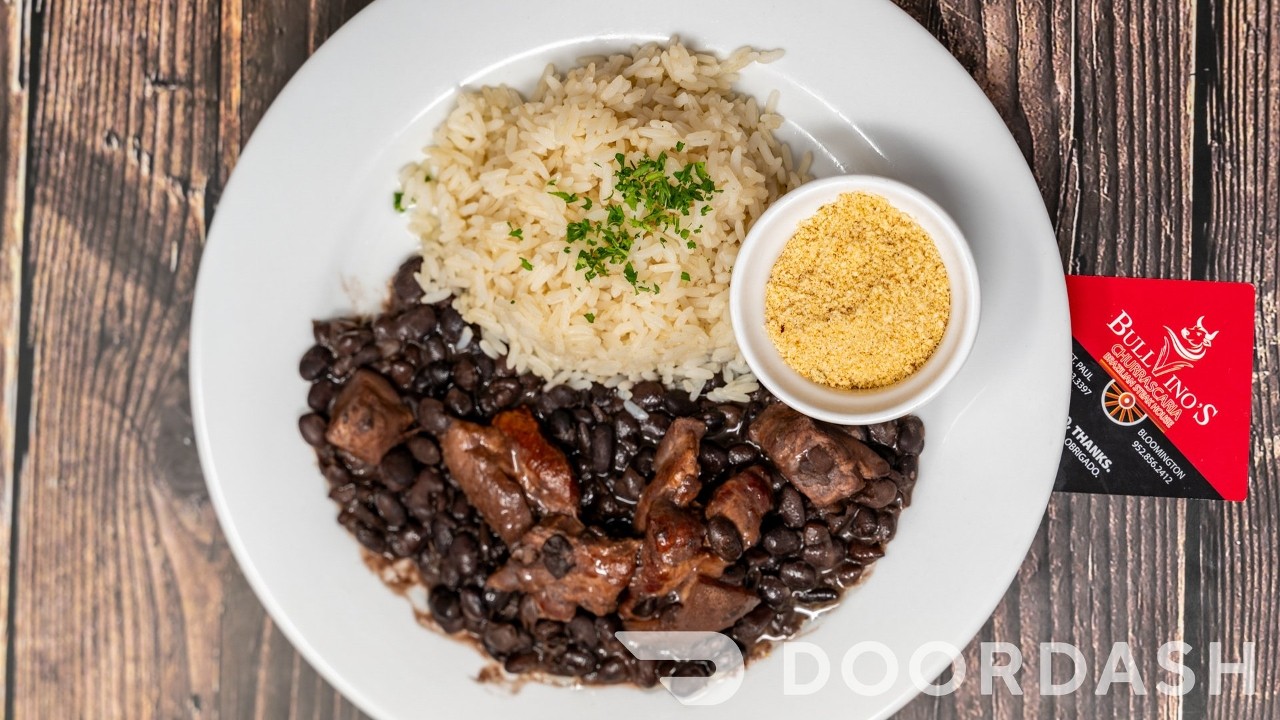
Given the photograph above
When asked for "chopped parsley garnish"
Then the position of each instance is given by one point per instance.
(684, 276)
(590, 317)
(526, 264)
(647, 203)
(680, 146)
(398, 203)
(515, 232)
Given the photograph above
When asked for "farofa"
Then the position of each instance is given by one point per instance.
(859, 297)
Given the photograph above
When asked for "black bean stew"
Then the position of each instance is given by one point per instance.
(542, 520)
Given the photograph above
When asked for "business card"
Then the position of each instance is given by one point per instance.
(1162, 378)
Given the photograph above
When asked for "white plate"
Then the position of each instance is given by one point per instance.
(305, 230)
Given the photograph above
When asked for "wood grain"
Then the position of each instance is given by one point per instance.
(1236, 548)
(13, 146)
(115, 614)
(1102, 569)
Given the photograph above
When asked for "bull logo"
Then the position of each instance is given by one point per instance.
(1184, 348)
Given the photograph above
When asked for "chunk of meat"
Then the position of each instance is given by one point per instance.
(826, 466)
(586, 571)
(675, 469)
(480, 461)
(368, 417)
(709, 606)
(743, 500)
(542, 470)
(672, 550)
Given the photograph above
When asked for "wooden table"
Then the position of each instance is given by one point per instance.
(1153, 128)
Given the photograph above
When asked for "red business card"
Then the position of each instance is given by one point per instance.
(1162, 379)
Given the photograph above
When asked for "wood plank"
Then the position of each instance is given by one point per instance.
(118, 602)
(1101, 570)
(13, 150)
(1236, 547)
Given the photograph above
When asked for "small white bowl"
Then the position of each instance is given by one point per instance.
(760, 250)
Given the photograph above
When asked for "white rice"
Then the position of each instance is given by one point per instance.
(489, 171)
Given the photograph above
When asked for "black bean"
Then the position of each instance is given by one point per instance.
(878, 493)
(643, 462)
(798, 574)
(432, 416)
(733, 419)
(579, 662)
(824, 551)
(655, 426)
(402, 374)
(397, 470)
(423, 449)
(734, 575)
(848, 573)
(557, 556)
(504, 392)
(623, 452)
(723, 538)
(629, 486)
(582, 440)
(460, 508)
(434, 350)
(458, 402)
(451, 324)
(563, 428)
(753, 624)
(404, 286)
(712, 460)
(713, 419)
(464, 552)
(445, 608)
(601, 448)
(415, 324)
(336, 474)
(742, 454)
(886, 526)
(758, 558)
(442, 528)
(612, 670)
(370, 538)
(582, 631)
(644, 673)
(781, 542)
(562, 396)
(465, 373)
(625, 426)
(353, 341)
(773, 591)
(405, 542)
(313, 427)
(864, 526)
(910, 435)
(605, 628)
(343, 494)
(501, 639)
(522, 662)
(821, 595)
(450, 576)
(649, 395)
(864, 553)
(389, 509)
(315, 362)
(321, 396)
(791, 507)
(677, 403)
